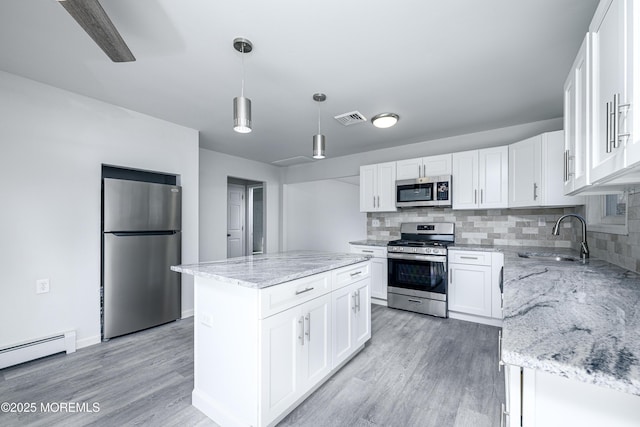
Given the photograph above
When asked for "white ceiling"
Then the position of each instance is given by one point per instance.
(446, 67)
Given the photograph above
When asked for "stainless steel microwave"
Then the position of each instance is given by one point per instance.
(426, 191)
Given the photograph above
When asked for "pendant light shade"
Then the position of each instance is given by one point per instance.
(242, 114)
(319, 142)
(242, 105)
(318, 146)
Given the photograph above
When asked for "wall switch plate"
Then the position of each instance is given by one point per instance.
(42, 286)
(541, 222)
(375, 223)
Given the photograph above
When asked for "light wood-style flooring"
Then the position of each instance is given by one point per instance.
(416, 371)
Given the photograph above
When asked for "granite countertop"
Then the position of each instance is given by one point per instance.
(370, 243)
(262, 271)
(579, 321)
(478, 248)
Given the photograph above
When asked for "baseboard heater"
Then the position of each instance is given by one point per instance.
(31, 350)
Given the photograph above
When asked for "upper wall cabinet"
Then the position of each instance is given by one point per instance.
(602, 83)
(423, 166)
(378, 187)
(536, 172)
(613, 147)
(577, 121)
(480, 178)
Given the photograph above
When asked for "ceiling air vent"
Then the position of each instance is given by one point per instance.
(292, 161)
(351, 118)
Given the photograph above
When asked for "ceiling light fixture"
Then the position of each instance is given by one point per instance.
(319, 142)
(385, 120)
(242, 105)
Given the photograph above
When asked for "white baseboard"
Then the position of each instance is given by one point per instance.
(188, 313)
(379, 301)
(476, 319)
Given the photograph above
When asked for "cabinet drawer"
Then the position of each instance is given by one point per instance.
(469, 257)
(350, 274)
(374, 251)
(277, 298)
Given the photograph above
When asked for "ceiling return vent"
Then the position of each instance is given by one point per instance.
(351, 118)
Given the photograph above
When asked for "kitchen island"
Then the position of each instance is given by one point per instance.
(570, 340)
(270, 329)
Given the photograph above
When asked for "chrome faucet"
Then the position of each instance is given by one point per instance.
(584, 248)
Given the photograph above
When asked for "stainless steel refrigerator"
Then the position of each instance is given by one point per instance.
(141, 239)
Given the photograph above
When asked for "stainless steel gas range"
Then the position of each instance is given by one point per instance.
(417, 274)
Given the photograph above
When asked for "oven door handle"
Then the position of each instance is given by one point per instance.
(415, 257)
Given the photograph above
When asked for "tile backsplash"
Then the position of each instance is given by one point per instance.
(520, 227)
(622, 250)
(511, 227)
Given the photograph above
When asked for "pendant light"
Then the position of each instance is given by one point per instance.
(319, 140)
(242, 105)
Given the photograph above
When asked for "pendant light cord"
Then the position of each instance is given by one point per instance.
(318, 118)
(242, 87)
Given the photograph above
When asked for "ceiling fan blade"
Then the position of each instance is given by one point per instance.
(95, 21)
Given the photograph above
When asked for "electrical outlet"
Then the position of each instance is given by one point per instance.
(541, 222)
(206, 319)
(387, 222)
(375, 223)
(42, 286)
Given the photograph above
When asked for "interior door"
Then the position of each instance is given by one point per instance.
(235, 220)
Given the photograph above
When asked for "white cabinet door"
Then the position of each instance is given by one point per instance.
(493, 178)
(362, 314)
(541, 399)
(577, 121)
(525, 172)
(610, 62)
(480, 178)
(465, 180)
(343, 307)
(282, 335)
(470, 289)
(387, 187)
(368, 187)
(513, 397)
(497, 277)
(409, 169)
(551, 189)
(437, 165)
(316, 345)
(378, 187)
(379, 278)
(351, 306)
(536, 172)
(296, 353)
(423, 166)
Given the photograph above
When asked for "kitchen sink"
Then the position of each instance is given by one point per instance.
(550, 257)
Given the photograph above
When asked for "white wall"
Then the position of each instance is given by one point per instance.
(53, 144)
(350, 165)
(215, 168)
(322, 215)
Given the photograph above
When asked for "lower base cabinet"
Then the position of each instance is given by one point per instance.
(474, 292)
(352, 313)
(258, 353)
(540, 399)
(379, 267)
(296, 351)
